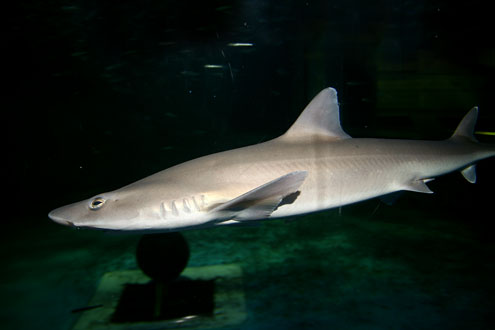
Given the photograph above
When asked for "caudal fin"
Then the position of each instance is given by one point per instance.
(466, 126)
(465, 131)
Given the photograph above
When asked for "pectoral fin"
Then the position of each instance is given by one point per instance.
(260, 202)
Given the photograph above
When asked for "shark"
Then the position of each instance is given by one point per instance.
(315, 165)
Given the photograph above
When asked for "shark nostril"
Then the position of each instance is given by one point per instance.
(70, 224)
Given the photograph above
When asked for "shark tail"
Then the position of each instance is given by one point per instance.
(465, 132)
(465, 129)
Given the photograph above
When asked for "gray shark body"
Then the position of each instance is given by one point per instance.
(314, 166)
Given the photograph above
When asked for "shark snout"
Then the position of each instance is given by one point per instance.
(58, 216)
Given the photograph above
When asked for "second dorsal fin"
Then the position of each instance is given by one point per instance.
(466, 126)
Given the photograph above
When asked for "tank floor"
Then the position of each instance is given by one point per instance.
(368, 266)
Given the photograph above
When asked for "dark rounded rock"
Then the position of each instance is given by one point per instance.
(162, 256)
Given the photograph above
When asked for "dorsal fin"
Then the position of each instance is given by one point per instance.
(319, 118)
(466, 126)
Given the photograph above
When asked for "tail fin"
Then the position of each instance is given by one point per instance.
(466, 126)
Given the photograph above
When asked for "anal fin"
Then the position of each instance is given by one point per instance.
(469, 173)
(261, 201)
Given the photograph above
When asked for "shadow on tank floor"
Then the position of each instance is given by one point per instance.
(162, 294)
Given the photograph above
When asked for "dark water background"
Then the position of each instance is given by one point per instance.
(98, 94)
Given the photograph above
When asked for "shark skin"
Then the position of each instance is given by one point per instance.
(314, 166)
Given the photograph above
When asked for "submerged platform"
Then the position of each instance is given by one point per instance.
(203, 297)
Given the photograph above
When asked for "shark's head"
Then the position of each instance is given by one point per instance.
(113, 210)
(136, 207)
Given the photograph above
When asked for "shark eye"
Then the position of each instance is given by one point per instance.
(96, 203)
